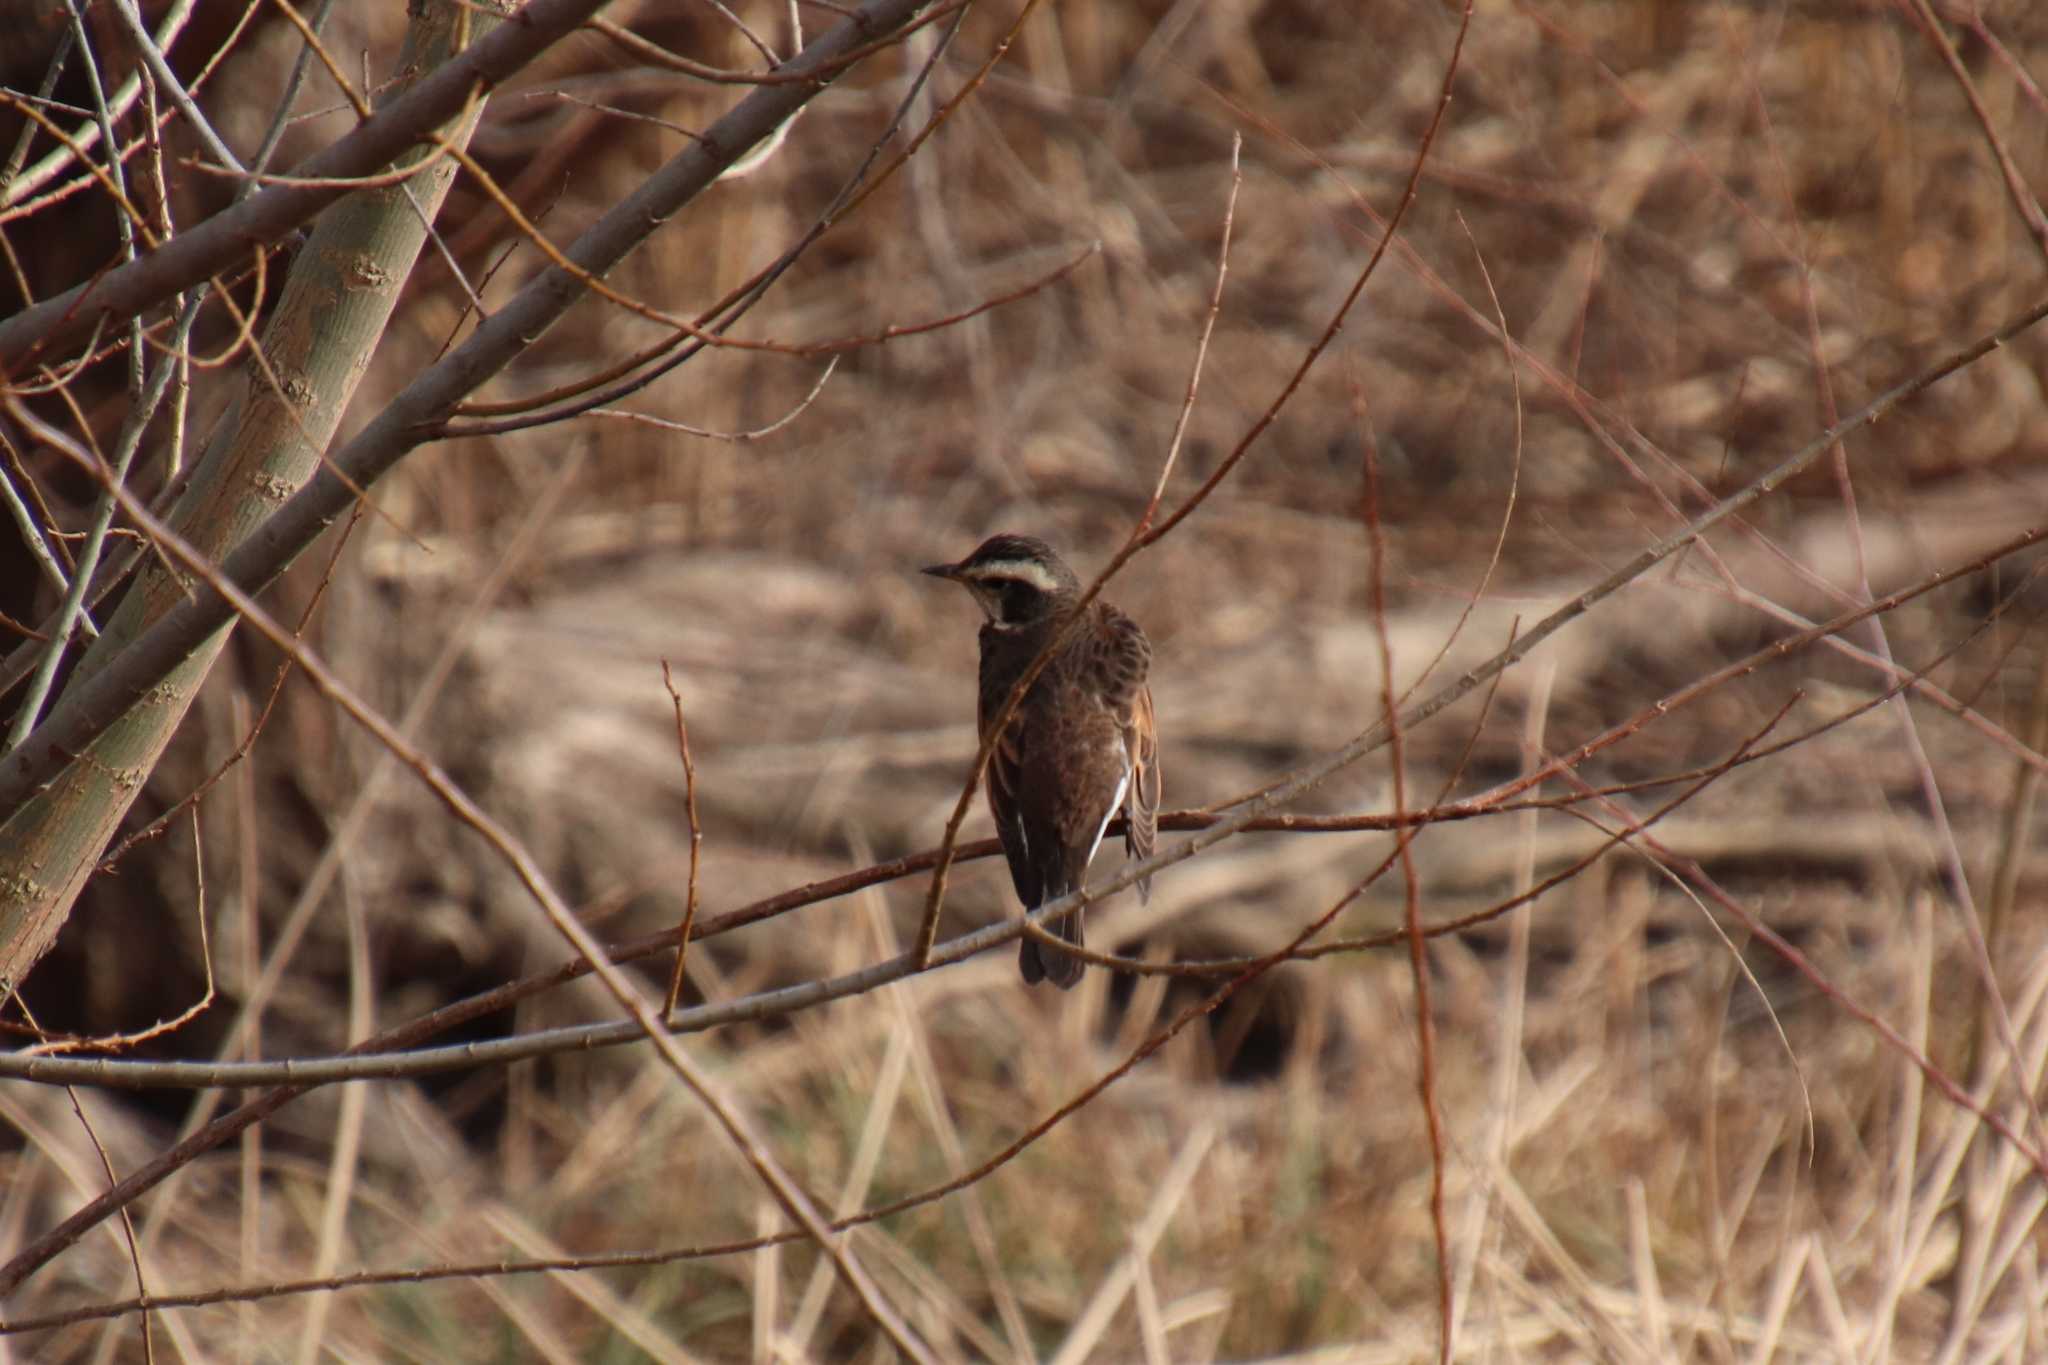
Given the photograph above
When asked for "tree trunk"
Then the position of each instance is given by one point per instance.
(335, 303)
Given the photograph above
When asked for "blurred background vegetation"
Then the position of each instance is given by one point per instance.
(1710, 227)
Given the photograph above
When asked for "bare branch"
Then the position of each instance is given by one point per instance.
(209, 248)
(1144, 533)
(2023, 201)
(131, 19)
(403, 423)
(675, 978)
(19, 186)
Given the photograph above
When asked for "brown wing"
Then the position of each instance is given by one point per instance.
(1123, 662)
(1141, 802)
(1075, 754)
(1004, 781)
(1001, 785)
(1028, 794)
(1121, 659)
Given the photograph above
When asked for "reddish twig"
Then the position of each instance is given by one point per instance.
(268, 1103)
(1145, 533)
(537, 414)
(1951, 1089)
(354, 1065)
(737, 1130)
(629, 376)
(121, 1042)
(675, 980)
(654, 54)
(1411, 911)
(2023, 200)
(155, 828)
(1507, 512)
(928, 929)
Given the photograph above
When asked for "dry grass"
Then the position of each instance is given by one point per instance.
(1682, 206)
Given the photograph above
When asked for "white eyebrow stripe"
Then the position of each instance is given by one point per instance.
(1028, 570)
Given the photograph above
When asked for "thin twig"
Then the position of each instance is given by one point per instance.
(710, 1092)
(588, 397)
(72, 610)
(760, 45)
(1971, 17)
(1201, 360)
(1953, 871)
(1598, 421)
(221, 241)
(961, 1181)
(121, 1042)
(168, 81)
(634, 115)
(1507, 511)
(355, 1065)
(709, 336)
(675, 980)
(1691, 870)
(190, 800)
(359, 100)
(1411, 915)
(226, 1127)
(679, 348)
(127, 1221)
(281, 117)
(1146, 534)
(347, 826)
(2023, 200)
(26, 138)
(74, 147)
(37, 536)
(142, 405)
(736, 437)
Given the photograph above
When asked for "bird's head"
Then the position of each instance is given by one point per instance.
(1016, 581)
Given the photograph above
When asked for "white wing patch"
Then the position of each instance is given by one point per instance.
(1123, 785)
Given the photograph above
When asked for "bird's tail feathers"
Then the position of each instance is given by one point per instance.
(1040, 961)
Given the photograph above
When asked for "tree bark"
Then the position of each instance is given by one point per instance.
(154, 661)
(333, 309)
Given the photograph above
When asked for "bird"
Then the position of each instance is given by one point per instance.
(1082, 744)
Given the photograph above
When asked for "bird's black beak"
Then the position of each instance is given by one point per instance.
(942, 570)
